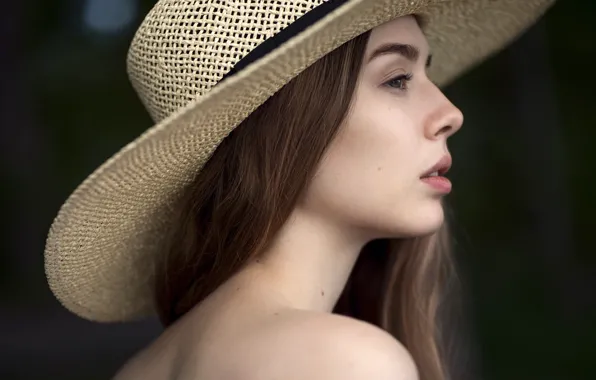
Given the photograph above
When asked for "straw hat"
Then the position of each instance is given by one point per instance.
(101, 247)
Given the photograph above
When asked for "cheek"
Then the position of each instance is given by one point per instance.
(369, 165)
(372, 152)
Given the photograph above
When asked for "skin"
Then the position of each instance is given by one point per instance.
(367, 186)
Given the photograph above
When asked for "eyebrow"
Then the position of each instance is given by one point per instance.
(410, 52)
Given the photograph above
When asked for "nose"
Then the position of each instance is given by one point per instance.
(445, 120)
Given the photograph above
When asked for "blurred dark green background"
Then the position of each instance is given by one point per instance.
(524, 199)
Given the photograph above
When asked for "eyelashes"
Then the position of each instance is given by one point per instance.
(399, 82)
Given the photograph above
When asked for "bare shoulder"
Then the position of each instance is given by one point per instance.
(356, 350)
(315, 346)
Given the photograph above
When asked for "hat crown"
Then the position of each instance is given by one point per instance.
(184, 47)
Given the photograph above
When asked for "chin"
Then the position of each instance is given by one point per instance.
(428, 220)
(417, 221)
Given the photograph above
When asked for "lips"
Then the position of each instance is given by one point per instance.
(440, 168)
(438, 183)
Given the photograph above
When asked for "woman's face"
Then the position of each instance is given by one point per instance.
(372, 177)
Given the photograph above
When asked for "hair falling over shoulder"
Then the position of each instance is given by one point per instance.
(251, 184)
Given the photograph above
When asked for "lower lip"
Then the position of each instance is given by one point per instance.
(441, 184)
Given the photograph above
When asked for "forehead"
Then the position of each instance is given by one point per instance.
(403, 30)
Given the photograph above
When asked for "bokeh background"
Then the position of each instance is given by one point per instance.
(524, 199)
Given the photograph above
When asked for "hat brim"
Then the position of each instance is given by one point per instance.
(101, 248)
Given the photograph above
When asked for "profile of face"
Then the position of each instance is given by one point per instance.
(372, 179)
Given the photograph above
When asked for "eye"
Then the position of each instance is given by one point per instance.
(399, 82)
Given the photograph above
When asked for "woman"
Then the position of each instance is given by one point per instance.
(305, 182)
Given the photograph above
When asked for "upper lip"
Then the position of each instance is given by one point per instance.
(442, 166)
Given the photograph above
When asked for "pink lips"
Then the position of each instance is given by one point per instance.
(439, 183)
(434, 176)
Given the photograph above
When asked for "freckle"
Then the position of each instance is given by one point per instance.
(275, 313)
(379, 168)
(322, 293)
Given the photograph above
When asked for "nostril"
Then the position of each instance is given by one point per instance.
(445, 130)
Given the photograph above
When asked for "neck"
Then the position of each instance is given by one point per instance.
(308, 264)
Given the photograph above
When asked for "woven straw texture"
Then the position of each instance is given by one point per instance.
(101, 248)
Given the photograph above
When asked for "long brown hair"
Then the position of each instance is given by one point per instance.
(251, 184)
